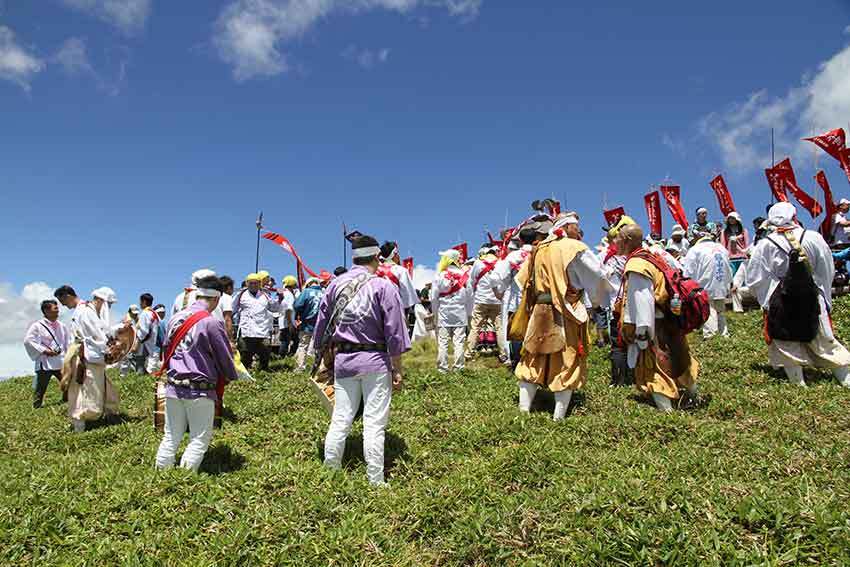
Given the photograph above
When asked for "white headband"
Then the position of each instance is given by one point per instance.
(366, 252)
(390, 255)
(207, 293)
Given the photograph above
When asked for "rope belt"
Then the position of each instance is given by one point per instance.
(349, 348)
(201, 385)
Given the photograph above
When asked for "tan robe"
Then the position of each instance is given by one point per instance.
(556, 342)
(667, 365)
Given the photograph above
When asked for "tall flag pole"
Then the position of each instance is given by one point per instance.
(344, 245)
(259, 228)
(772, 163)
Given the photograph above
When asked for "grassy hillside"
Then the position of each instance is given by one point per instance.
(758, 475)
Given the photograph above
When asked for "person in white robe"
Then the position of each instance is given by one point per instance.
(707, 262)
(740, 292)
(423, 326)
(840, 224)
(485, 285)
(96, 396)
(507, 269)
(147, 335)
(46, 343)
(392, 270)
(678, 241)
(451, 301)
(768, 264)
(255, 309)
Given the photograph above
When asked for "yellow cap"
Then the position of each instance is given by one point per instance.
(263, 274)
(253, 278)
(290, 281)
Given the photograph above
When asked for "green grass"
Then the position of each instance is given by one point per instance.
(757, 476)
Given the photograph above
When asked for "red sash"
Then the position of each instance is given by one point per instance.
(515, 266)
(488, 267)
(179, 335)
(386, 271)
(458, 282)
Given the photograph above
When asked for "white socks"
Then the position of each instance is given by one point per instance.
(842, 375)
(795, 375)
(527, 391)
(562, 403)
(663, 403)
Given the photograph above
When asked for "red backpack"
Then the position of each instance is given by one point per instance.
(689, 303)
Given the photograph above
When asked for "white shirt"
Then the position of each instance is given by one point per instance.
(839, 233)
(707, 262)
(225, 305)
(88, 328)
(681, 247)
(420, 328)
(41, 336)
(614, 274)
(452, 310)
(286, 319)
(640, 311)
(255, 313)
(586, 273)
(487, 289)
(507, 273)
(147, 329)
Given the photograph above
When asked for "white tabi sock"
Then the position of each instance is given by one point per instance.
(795, 375)
(842, 374)
(663, 403)
(527, 391)
(562, 403)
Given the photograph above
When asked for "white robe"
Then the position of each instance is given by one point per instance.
(420, 328)
(87, 327)
(453, 310)
(147, 329)
(640, 311)
(486, 290)
(179, 304)
(406, 289)
(707, 262)
(766, 269)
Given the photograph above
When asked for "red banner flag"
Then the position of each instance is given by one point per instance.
(464, 251)
(826, 225)
(724, 197)
(613, 216)
(672, 195)
(834, 143)
(653, 212)
(777, 185)
(806, 201)
(408, 263)
(284, 243)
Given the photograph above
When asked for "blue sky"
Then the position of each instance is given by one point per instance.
(142, 137)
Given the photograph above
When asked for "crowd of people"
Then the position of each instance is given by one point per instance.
(533, 299)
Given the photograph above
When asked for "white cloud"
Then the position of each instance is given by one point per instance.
(366, 58)
(741, 132)
(73, 57)
(17, 311)
(16, 64)
(249, 34)
(129, 16)
(423, 275)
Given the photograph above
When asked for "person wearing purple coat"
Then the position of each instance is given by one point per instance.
(369, 338)
(200, 359)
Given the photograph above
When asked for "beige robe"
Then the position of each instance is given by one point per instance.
(556, 341)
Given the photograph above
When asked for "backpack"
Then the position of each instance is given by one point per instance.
(693, 303)
(793, 309)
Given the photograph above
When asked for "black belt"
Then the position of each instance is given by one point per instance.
(348, 348)
(192, 385)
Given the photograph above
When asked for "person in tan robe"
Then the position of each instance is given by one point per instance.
(555, 333)
(657, 349)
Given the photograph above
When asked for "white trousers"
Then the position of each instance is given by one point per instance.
(376, 392)
(197, 415)
(716, 322)
(305, 349)
(457, 337)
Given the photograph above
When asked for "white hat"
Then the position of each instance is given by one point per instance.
(134, 308)
(105, 293)
(678, 230)
(843, 202)
(734, 215)
(782, 214)
(702, 210)
(201, 274)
